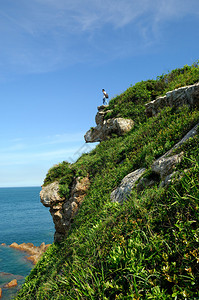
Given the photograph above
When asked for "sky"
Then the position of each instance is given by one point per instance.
(57, 55)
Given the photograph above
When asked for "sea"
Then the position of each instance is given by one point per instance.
(23, 219)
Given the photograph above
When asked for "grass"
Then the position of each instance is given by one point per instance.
(146, 248)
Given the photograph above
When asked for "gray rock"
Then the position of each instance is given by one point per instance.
(105, 128)
(64, 210)
(188, 95)
(165, 165)
(190, 134)
(168, 180)
(99, 118)
(102, 132)
(144, 183)
(122, 192)
(49, 195)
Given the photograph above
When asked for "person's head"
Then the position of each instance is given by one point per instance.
(103, 90)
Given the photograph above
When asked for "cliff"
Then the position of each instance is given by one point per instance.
(64, 210)
(126, 213)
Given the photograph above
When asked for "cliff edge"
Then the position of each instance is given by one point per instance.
(107, 127)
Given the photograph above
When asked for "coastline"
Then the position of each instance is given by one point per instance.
(35, 251)
(11, 283)
(24, 220)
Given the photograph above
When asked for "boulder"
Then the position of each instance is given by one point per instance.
(49, 195)
(99, 118)
(122, 192)
(117, 126)
(11, 284)
(164, 166)
(188, 95)
(105, 128)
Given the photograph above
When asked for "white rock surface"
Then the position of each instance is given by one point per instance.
(165, 165)
(105, 128)
(185, 95)
(122, 192)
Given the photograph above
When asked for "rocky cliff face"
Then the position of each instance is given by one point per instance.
(105, 128)
(64, 210)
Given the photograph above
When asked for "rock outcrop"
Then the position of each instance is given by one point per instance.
(122, 192)
(34, 251)
(105, 128)
(189, 135)
(188, 95)
(163, 167)
(64, 210)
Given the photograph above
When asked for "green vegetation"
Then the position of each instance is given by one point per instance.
(146, 248)
(62, 173)
(130, 103)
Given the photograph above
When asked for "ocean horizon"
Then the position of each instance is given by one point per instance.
(23, 220)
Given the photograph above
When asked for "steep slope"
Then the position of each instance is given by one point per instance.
(146, 245)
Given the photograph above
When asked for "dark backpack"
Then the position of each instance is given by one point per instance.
(106, 95)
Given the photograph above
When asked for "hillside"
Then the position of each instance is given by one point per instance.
(145, 245)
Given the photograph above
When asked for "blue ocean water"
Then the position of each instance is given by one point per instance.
(23, 219)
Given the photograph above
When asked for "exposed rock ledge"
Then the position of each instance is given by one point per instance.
(164, 167)
(105, 128)
(64, 210)
(188, 95)
(35, 252)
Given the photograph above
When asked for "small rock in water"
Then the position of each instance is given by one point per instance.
(11, 284)
(35, 252)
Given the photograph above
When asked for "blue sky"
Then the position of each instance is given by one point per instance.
(55, 58)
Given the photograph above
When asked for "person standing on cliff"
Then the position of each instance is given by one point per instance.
(105, 97)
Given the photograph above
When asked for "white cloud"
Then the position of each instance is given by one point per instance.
(44, 35)
(92, 14)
